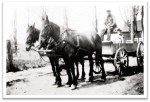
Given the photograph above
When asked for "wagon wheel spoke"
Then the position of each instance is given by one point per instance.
(97, 69)
(122, 53)
(140, 54)
(121, 60)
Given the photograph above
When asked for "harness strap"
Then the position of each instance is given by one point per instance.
(78, 43)
(70, 43)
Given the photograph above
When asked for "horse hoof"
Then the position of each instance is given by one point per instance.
(82, 78)
(91, 79)
(59, 86)
(55, 83)
(77, 77)
(73, 87)
(54, 75)
(88, 80)
(103, 79)
(67, 85)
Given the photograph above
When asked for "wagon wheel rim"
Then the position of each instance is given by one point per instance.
(121, 61)
(140, 54)
(97, 69)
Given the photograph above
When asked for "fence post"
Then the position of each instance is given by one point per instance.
(9, 56)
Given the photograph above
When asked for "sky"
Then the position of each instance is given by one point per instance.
(80, 15)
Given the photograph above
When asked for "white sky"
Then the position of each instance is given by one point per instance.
(80, 15)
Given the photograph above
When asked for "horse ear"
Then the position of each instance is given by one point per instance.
(33, 24)
(47, 17)
(42, 18)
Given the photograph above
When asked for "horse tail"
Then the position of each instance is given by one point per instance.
(98, 46)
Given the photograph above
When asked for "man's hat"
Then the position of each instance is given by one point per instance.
(108, 11)
(118, 29)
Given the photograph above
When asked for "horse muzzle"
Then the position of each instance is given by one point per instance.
(28, 47)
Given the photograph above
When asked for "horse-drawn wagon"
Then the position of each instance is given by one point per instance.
(117, 50)
(120, 47)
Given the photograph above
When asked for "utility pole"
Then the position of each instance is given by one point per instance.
(96, 21)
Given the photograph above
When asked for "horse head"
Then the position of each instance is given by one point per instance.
(33, 36)
(47, 32)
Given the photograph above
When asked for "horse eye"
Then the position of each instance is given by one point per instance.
(29, 38)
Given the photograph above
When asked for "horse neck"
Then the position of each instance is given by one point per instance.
(37, 33)
(55, 32)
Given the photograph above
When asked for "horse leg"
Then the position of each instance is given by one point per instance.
(53, 69)
(103, 70)
(58, 72)
(73, 74)
(76, 62)
(66, 60)
(91, 68)
(83, 72)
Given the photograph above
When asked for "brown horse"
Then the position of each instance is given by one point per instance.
(33, 36)
(75, 45)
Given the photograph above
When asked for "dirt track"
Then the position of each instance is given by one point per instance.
(40, 82)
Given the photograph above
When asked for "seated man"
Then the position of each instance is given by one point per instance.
(110, 24)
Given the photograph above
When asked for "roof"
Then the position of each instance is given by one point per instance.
(127, 28)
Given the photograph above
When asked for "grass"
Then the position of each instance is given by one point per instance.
(24, 60)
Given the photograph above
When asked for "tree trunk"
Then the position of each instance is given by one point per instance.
(142, 14)
(96, 24)
(132, 25)
(9, 58)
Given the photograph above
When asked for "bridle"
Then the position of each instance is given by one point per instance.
(58, 42)
(31, 40)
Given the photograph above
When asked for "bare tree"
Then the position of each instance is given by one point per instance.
(9, 58)
(15, 32)
(44, 11)
(129, 17)
(142, 19)
(126, 15)
(95, 20)
(65, 18)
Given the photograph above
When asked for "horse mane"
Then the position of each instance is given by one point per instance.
(58, 32)
(36, 34)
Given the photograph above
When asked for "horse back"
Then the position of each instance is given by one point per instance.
(87, 40)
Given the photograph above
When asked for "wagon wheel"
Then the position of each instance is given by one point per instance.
(140, 54)
(121, 61)
(97, 69)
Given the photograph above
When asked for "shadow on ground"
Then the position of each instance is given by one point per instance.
(112, 77)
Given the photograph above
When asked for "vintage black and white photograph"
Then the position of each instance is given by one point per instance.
(74, 49)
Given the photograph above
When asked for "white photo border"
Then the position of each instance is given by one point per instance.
(84, 96)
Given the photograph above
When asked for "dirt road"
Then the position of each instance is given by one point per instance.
(40, 82)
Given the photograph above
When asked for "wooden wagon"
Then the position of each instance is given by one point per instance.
(120, 47)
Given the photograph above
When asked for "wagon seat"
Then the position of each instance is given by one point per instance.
(115, 37)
